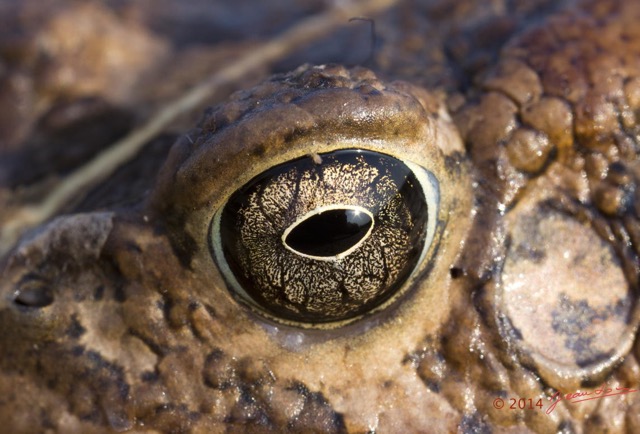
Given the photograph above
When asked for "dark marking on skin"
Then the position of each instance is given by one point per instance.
(574, 320)
(119, 293)
(316, 407)
(252, 409)
(294, 135)
(533, 248)
(193, 306)
(531, 253)
(75, 329)
(259, 150)
(183, 244)
(617, 170)
(100, 363)
(455, 161)
(320, 80)
(588, 383)
(217, 373)
(186, 250)
(479, 297)
(432, 385)
(432, 382)
(553, 153)
(431, 365)
(99, 293)
(566, 427)
(474, 424)
(210, 310)
(150, 376)
(367, 91)
(51, 383)
(166, 307)
(156, 348)
(509, 329)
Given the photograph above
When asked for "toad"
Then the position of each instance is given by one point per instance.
(447, 244)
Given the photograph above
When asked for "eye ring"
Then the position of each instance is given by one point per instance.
(287, 285)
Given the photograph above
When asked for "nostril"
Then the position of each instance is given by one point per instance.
(34, 292)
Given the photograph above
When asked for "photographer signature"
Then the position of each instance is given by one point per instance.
(599, 393)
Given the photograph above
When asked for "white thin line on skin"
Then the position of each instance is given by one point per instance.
(106, 162)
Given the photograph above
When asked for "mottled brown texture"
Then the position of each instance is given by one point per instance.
(121, 320)
(69, 51)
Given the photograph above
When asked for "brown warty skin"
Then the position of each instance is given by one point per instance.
(526, 114)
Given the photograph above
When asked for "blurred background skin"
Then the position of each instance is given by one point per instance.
(75, 76)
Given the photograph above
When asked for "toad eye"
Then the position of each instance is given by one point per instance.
(326, 240)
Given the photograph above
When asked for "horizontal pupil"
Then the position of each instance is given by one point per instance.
(329, 233)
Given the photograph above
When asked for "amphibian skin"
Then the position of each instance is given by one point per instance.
(421, 248)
